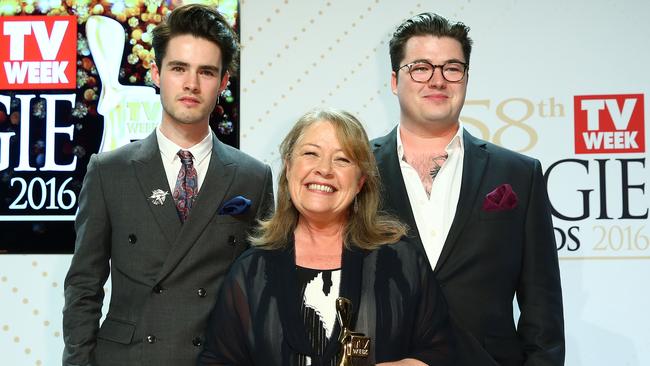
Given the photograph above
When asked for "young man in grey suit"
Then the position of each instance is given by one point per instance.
(478, 211)
(165, 216)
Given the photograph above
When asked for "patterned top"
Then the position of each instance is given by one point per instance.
(319, 290)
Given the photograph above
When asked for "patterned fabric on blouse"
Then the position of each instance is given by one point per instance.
(319, 290)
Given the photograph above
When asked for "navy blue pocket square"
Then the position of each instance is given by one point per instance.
(235, 206)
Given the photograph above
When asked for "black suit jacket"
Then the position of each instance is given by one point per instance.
(165, 275)
(396, 301)
(489, 257)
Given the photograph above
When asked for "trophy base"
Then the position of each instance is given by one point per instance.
(356, 351)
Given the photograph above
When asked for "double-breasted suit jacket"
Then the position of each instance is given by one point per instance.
(165, 275)
(491, 256)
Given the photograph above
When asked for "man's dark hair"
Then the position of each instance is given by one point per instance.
(199, 21)
(427, 24)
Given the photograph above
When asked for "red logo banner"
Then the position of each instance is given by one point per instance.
(609, 124)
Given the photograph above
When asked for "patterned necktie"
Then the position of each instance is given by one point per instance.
(186, 187)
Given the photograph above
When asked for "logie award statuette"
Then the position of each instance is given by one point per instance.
(355, 347)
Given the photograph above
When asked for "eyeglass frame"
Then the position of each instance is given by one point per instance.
(410, 64)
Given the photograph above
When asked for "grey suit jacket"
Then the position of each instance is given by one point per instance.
(489, 257)
(165, 275)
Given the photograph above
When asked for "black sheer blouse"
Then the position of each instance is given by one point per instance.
(395, 298)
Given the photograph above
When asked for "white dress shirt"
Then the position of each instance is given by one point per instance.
(435, 213)
(172, 163)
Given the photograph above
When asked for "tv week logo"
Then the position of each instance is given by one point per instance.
(38, 52)
(609, 124)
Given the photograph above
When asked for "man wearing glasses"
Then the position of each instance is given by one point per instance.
(479, 212)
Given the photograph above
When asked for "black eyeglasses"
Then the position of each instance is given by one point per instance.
(422, 71)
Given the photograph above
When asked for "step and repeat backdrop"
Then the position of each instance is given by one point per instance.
(565, 82)
(75, 80)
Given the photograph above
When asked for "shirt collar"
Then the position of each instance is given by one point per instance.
(455, 144)
(168, 148)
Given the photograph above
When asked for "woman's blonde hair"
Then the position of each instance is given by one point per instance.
(366, 228)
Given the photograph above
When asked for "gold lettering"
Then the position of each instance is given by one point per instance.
(512, 122)
(482, 127)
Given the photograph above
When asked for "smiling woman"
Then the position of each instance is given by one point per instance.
(322, 178)
(327, 240)
(331, 148)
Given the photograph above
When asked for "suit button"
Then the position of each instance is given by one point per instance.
(201, 292)
(132, 239)
(232, 240)
(158, 289)
(151, 339)
(197, 342)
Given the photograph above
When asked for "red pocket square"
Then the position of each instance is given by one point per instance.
(503, 198)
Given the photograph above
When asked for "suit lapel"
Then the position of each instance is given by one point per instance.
(395, 195)
(220, 175)
(474, 164)
(150, 173)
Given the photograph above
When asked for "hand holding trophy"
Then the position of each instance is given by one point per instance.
(355, 347)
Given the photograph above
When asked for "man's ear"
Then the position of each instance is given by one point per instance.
(224, 81)
(393, 82)
(155, 74)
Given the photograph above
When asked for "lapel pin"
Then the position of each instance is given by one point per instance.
(158, 196)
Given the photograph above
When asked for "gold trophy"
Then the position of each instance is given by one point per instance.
(355, 347)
